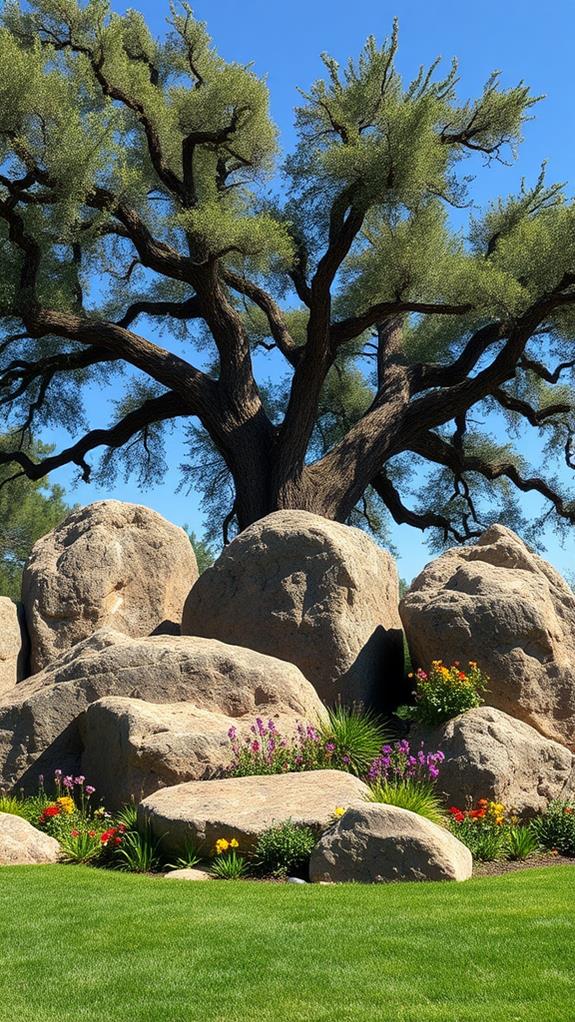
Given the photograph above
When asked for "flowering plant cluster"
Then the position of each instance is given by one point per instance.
(265, 751)
(443, 692)
(222, 845)
(555, 828)
(491, 831)
(398, 763)
(484, 812)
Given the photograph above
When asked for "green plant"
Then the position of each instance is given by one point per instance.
(137, 852)
(229, 866)
(190, 858)
(555, 828)
(520, 842)
(128, 816)
(354, 735)
(81, 846)
(284, 850)
(417, 796)
(14, 806)
(444, 692)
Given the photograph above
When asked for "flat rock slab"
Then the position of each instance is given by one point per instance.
(200, 812)
(188, 874)
(375, 843)
(21, 844)
(110, 564)
(13, 645)
(315, 592)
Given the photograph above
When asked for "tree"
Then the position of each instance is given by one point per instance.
(203, 549)
(133, 195)
(27, 512)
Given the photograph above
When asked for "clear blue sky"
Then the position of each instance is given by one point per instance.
(524, 39)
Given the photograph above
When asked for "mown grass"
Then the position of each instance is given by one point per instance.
(79, 944)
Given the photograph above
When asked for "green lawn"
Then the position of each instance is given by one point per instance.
(79, 944)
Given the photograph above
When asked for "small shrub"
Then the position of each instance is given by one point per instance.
(520, 842)
(444, 693)
(555, 828)
(285, 850)
(81, 846)
(128, 816)
(417, 796)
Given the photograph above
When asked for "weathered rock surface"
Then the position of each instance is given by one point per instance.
(312, 591)
(188, 874)
(21, 844)
(13, 645)
(109, 564)
(39, 725)
(244, 807)
(375, 842)
(500, 604)
(489, 754)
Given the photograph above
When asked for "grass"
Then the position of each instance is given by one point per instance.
(80, 944)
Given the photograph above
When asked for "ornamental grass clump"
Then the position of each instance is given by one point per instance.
(406, 778)
(444, 692)
(228, 864)
(348, 740)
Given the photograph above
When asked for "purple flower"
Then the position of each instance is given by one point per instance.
(271, 727)
(57, 775)
(232, 734)
(346, 759)
(261, 727)
(89, 789)
(255, 746)
(68, 782)
(79, 780)
(330, 746)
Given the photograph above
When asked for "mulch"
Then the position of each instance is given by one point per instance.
(500, 866)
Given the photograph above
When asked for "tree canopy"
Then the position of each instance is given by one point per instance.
(135, 194)
(27, 512)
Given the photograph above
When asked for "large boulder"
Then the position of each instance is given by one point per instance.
(40, 722)
(13, 645)
(200, 812)
(109, 564)
(375, 842)
(150, 746)
(489, 754)
(312, 591)
(498, 603)
(21, 844)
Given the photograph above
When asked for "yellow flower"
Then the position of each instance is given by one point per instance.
(221, 845)
(339, 811)
(234, 843)
(66, 804)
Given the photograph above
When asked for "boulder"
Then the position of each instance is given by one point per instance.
(13, 645)
(109, 564)
(21, 844)
(312, 591)
(489, 754)
(498, 603)
(200, 812)
(375, 842)
(188, 874)
(41, 723)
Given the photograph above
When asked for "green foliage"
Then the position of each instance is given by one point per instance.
(444, 692)
(203, 549)
(357, 734)
(417, 796)
(128, 816)
(230, 866)
(520, 842)
(138, 852)
(555, 828)
(80, 846)
(486, 844)
(14, 806)
(190, 858)
(27, 511)
(285, 850)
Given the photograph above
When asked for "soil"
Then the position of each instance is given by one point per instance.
(500, 866)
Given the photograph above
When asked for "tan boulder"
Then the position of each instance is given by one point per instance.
(200, 812)
(309, 590)
(375, 842)
(109, 564)
(13, 645)
(188, 874)
(500, 604)
(40, 722)
(21, 844)
(489, 754)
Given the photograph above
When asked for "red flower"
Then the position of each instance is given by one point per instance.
(74, 833)
(477, 814)
(458, 816)
(48, 812)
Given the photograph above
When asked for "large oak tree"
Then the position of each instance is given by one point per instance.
(135, 193)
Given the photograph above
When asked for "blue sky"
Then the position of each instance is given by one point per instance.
(522, 39)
